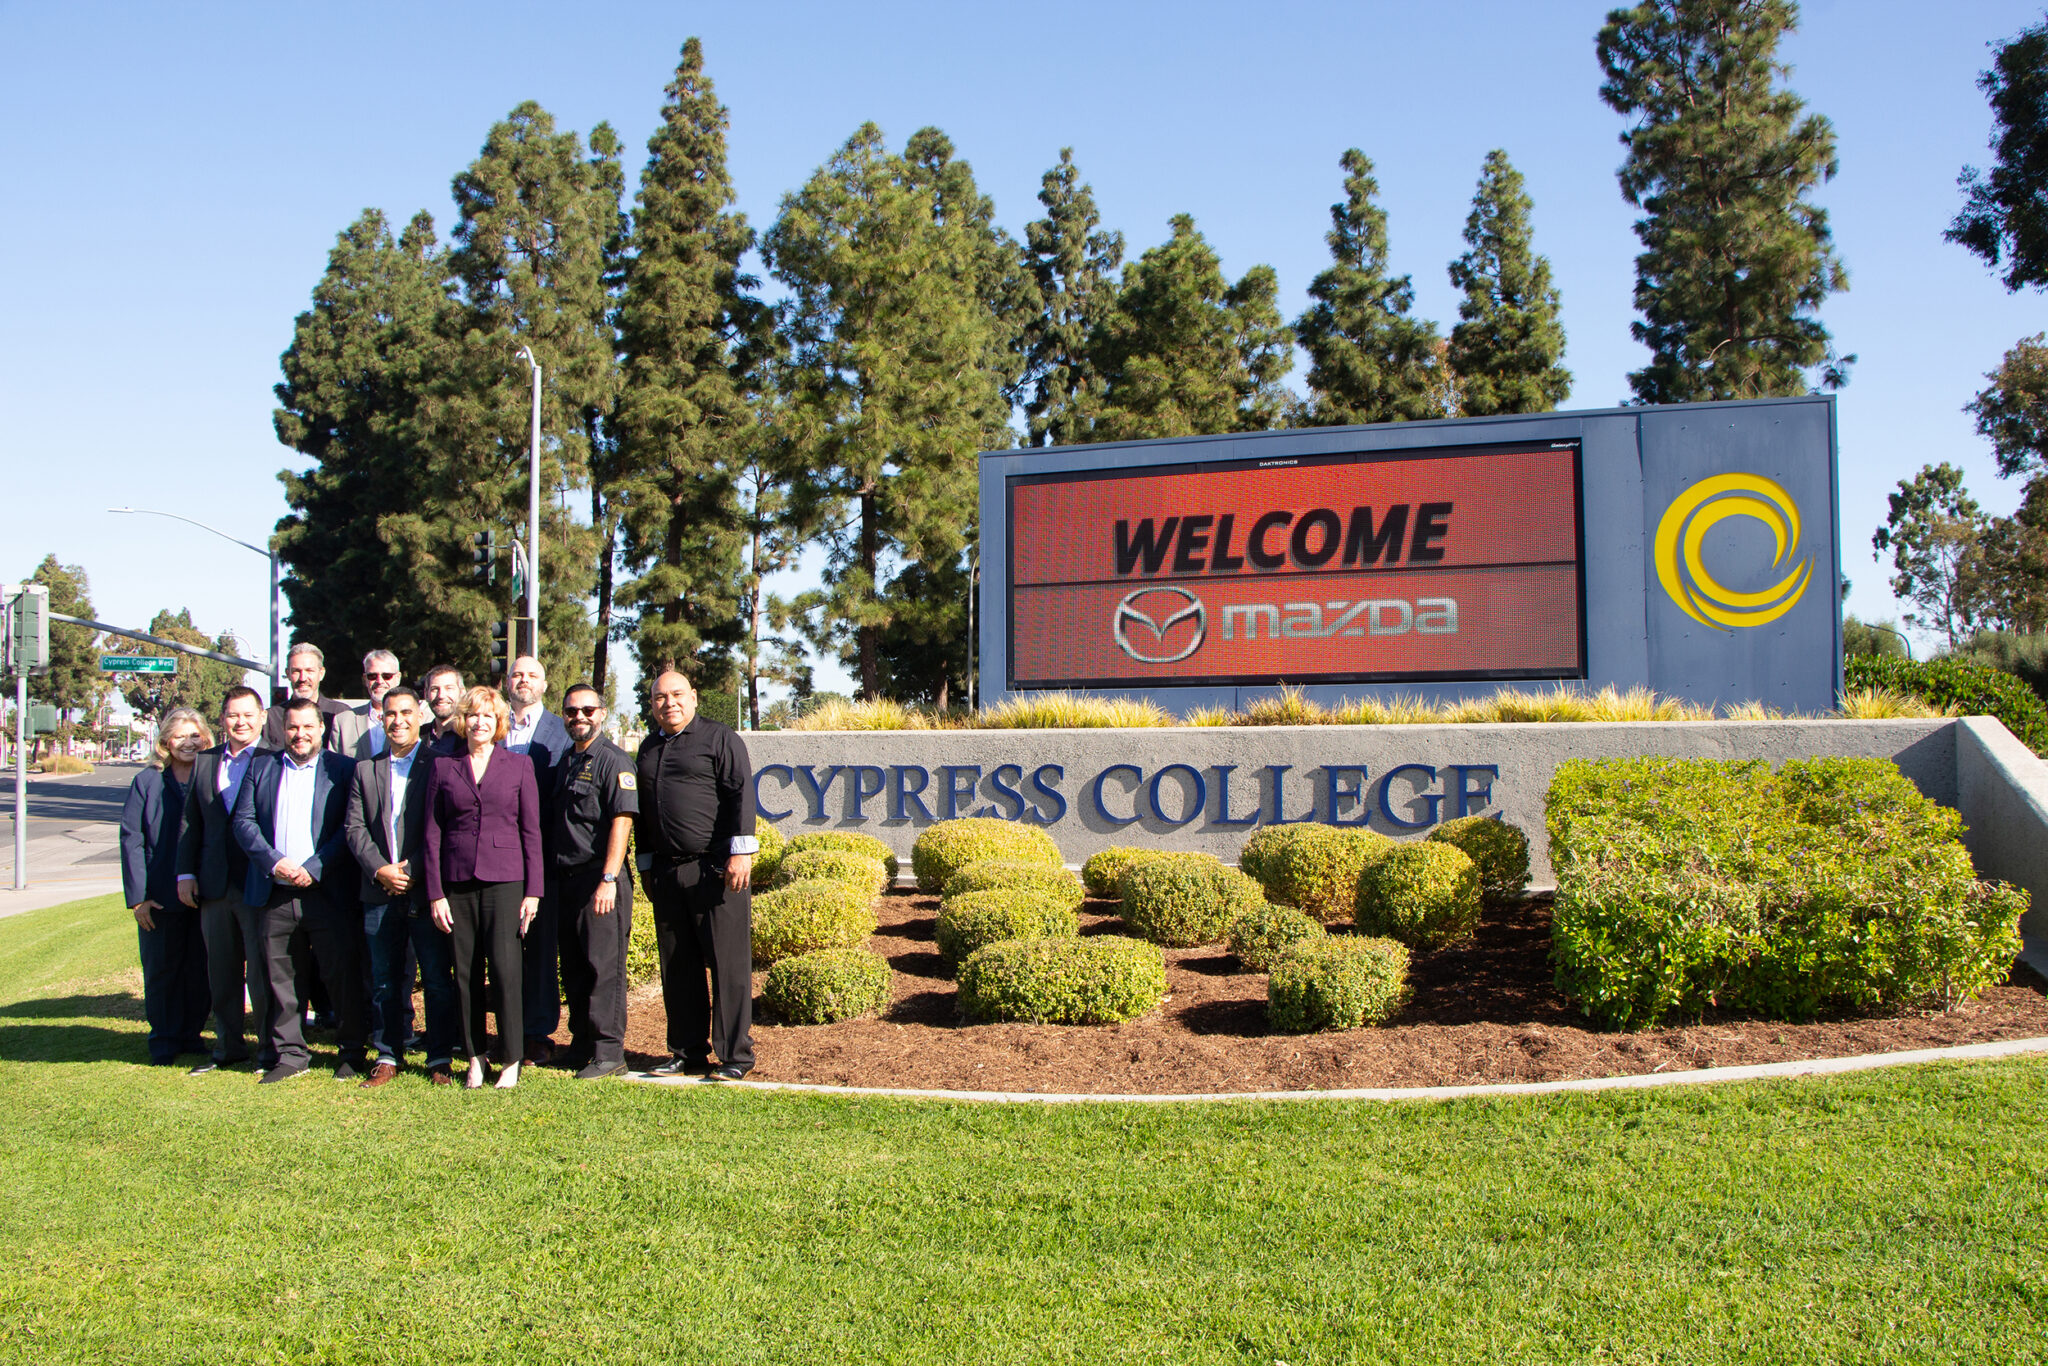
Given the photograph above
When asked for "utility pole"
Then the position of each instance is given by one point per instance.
(27, 647)
(532, 643)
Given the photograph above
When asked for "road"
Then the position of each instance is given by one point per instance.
(73, 837)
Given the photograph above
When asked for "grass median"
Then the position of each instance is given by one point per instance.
(150, 1216)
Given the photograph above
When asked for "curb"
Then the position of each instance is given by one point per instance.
(1805, 1067)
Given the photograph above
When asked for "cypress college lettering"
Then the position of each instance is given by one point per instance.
(1438, 565)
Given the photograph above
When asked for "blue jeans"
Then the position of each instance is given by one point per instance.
(384, 927)
(435, 951)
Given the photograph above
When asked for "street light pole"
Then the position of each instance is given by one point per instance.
(533, 514)
(276, 618)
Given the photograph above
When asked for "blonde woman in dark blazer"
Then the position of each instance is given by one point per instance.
(174, 995)
(485, 874)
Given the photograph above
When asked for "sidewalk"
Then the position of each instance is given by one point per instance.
(81, 862)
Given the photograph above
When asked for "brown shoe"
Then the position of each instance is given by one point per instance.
(540, 1052)
(381, 1073)
(441, 1076)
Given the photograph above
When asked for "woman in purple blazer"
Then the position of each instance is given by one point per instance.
(485, 872)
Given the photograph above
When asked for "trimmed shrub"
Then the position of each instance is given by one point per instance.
(1500, 850)
(833, 865)
(768, 861)
(1015, 874)
(1953, 684)
(1099, 980)
(1425, 895)
(1830, 886)
(643, 954)
(1181, 900)
(1262, 935)
(1104, 868)
(2022, 655)
(722, 707)
(805, 917)
(847, 841)
(971, 919)
(946, 848)
(827, 986)
(1337, 983)
(1312, 867)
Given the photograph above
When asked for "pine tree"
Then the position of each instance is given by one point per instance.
(2005, 214)
(900, 331)
(690, 329)
(1183, 352)
(377, 549)
(529, 252)
(600, 428)
(1369, 360)
(1075, 265)
(1722, 160)
(1509, 338)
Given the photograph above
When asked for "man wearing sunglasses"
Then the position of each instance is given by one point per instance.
(594, 799)
(360, 730)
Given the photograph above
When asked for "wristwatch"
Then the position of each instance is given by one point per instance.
(611, 877)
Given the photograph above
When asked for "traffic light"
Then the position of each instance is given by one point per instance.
(501, 641)
(486, 557)
(28, 628)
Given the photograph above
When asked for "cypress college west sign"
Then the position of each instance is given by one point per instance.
(1691, 549)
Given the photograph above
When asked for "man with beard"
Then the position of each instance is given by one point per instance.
(594, 802)
(444, 689)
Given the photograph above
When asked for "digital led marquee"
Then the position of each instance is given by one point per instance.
(1423, 566)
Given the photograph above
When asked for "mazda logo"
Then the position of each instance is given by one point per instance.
(1174, 606)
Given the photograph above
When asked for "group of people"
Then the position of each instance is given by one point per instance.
(326, 857)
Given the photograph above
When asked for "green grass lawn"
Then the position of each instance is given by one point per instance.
(151, 1216)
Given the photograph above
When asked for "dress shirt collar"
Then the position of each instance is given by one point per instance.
(289, 762)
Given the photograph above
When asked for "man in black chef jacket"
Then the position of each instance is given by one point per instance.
(595, 798)
(694, 846)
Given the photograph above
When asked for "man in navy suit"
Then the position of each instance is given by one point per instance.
(540, 735)
(291, 819)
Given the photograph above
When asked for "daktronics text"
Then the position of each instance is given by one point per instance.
(1433, 565)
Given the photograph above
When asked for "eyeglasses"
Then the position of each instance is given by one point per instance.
(381, 678)
(581, 711)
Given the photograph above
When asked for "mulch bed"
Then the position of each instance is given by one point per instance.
(1485, 1012)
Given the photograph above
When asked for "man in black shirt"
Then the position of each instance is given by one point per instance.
(695, 848)
(595, 798)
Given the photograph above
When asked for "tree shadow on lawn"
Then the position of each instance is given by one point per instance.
(113, 1005)
(72, 1043)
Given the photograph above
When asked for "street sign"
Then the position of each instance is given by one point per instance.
(138, 664)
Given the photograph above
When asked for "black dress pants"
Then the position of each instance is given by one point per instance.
(700, 926)
(306, 923)
(235, 961)
(173, 982)
(485, 928)
(594, 961)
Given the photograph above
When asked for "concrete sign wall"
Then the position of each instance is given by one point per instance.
(1208, 788)
(1692, 549)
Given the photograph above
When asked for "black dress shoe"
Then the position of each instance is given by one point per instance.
(597, 1071)
(729, 1072)
(347, 1071)
(284, 1071)
(676, 1067)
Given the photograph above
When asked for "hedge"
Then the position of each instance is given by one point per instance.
(1103, 979)
(1337, 983)
(1957, 685)
(1830, 886)
(847, 841)
(1105, 868)
(968, 921)
(1424, 894)
(1260, 936)
(805, 917)
(990, 874)
(947, 847)
(1500, 850)
(827, 986)
(834, 865)
(1312, 867)
(768, 861)
(1181, 900)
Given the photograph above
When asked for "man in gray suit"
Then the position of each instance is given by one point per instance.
(359, 731)
(211, 869)
(305, 668)
(386, 822)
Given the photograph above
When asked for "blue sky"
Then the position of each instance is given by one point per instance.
(176, 175)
